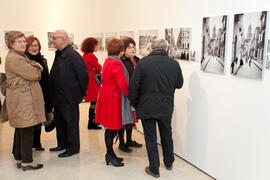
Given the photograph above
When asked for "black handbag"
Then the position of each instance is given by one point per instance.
(97, 78)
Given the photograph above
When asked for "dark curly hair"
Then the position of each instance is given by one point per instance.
(88, 45)
(127, 41)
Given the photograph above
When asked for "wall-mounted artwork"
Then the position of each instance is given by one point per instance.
(145, 39)
(124, 34)
(70, 41)
(267, 55)
(179, 42)
(26, 33)
(99, 37)
(193, 56)
(248, 44)
(109, 36)
(214, 35)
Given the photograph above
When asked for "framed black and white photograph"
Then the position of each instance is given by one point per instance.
(248, 44)
(267, 55)
(109, 36)
(70, 41)
(145, 39)
(179, 43)
(99, 37)
(26, 33)
(193, 56)
(214, 35)
(124, 34)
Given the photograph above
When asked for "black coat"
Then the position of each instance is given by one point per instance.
(153, 84)
(44, 77)
(73, 75)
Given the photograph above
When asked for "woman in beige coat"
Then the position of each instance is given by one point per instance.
(24, 100)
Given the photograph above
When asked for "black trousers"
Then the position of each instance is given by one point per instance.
(150, 135)
(37, 133)
(67, 127)
(23, 144)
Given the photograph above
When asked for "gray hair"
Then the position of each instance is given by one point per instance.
(159, 43)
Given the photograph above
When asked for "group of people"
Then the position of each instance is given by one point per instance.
(131, 89)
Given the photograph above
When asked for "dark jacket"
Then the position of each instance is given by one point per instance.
(73, 76)
(129, 64)
(44, 82)
(152, 86)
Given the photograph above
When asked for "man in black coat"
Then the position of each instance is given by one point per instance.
(67, 83)
(151, 92)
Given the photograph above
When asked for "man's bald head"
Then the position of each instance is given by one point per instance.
(60, 39)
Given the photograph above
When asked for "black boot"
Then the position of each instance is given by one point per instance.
(110, 156)
(91, 123)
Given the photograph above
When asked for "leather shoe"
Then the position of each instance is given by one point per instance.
(147, 170)
(58, 148)
(40, 149)
(133, 144)
(31, 167)
(124, 148)
(66, 154)
(168, 167)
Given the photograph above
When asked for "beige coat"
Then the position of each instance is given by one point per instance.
(24, 99)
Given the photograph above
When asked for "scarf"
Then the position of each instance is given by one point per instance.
(127, 117)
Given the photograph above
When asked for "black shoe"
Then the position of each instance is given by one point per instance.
(40, 149)
(114, 160)
(124, 148)
(66, 154)
(32, 167)
(58, 148)
(93, 126)
(147, 170)
(133, 144)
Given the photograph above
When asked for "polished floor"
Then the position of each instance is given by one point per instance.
(90, 163)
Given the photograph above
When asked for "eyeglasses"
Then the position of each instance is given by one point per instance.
(34, 45)
(20, 41)
(55, 37)
(131, 47)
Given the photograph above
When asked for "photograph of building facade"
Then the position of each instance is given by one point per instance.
(145, 39)
(109, 36)
(124, 34)
(99, 37)
(213, 44)
(248, 44)
(267, 55)
(179, 42)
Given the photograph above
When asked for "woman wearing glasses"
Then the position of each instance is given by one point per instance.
(33, 48)
(24, 100)
(130, 61)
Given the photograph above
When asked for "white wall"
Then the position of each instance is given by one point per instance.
(221, 123)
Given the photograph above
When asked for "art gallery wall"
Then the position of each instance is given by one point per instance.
(220, 123)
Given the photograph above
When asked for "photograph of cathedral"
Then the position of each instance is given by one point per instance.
(145, 39)
(214, 33)
(179, 43)
(248, 44)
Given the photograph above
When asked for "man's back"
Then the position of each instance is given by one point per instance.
(153, 84)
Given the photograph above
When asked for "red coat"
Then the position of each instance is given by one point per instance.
(108, 109)
(94, 67)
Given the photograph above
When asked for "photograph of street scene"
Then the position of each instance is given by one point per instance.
(179, 43)
(248, 44)
(213, 44)
(145, 39)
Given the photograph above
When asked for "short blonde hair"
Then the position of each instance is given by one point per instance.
(12, 36)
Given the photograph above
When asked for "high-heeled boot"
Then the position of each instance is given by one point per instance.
(114, 160)
(91, 121)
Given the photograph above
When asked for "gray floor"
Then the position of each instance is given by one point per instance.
(90, 163)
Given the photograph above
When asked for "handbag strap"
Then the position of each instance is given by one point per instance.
(91, 73)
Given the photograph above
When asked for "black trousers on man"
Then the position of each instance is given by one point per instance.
(23, 144)
(150, 135)
(67, 127)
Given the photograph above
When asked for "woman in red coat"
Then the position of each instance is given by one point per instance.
(112, 103)
(90, 45)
